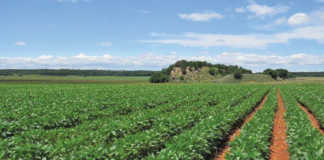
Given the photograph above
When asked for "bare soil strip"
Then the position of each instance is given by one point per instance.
(279, 146)
(237, 131)
(311, 117)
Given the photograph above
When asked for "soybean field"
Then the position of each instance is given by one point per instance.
(203, 121)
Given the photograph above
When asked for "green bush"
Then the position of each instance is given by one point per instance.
(159, 78)
(212, 71)
(238, 75)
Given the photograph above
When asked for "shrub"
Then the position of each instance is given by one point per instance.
(238, 75)
(212, 71)
(159, 78)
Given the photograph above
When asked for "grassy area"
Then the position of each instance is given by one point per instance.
(74, 79)
(246, 78)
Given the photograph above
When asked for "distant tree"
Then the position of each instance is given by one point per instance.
(238, 75)
(271, 72)
(159, 78)
(282, 73)
(267, 71)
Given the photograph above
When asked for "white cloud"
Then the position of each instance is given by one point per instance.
(320, 1)
(307, 33)
(315, 32)
(201, 17)
(272, 25)
(105, 44)
(264, 10)
(257, 62)
(298, 19)
(212, 40)
(313, 18)
(21, 43)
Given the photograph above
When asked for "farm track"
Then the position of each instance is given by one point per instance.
(279, 146)
(311, 117)
(237, 130)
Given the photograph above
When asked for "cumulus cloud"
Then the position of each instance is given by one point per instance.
(313, 18)
(21, 43)
(201, 17)
(298, 19)
(259, 10)
(257, 62)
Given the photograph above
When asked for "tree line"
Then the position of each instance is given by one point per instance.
(72, 72)
(277, 73)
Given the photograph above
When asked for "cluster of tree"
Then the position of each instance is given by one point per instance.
(159, 78)
(282, 73)
(214, 68)
(70, 72)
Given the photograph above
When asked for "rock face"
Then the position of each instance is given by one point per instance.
(190, 74)
(176, 73)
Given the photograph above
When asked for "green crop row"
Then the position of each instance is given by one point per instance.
(167, 126)
(305, 141)
(209, 134)
(96, 135)
(44, 110)
(255, 137)
(313, 98)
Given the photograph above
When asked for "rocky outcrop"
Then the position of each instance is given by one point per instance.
(189, 73)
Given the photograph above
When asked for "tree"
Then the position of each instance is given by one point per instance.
(282, 73)
(159, 78)
(271, 72)
(238, 75)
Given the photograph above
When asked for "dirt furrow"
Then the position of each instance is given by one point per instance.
(237, 131)
(279, 146)
(311, 117)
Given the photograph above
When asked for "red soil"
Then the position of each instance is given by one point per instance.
(226, 150)
(279, 147)
(312, 118)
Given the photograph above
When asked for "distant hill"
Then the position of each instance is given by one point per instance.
(201, 71)
(72, 72)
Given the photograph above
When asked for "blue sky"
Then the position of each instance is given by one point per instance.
(151, 34)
